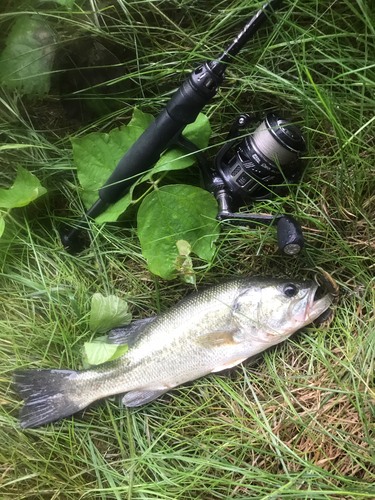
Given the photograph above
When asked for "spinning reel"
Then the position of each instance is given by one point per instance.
(253, 168)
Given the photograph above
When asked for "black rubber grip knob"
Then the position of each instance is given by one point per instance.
(289, 235)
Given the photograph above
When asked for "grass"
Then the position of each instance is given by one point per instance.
(297, 424)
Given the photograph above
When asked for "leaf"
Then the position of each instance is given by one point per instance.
(25, 189)
(97, 352)
(173, 213)
(140, 119)
(108, 312)
(199, 132)
(96, 155)
(2, 226)
(26, 61)
(176, 158)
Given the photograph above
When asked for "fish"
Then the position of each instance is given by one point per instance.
(206, 332)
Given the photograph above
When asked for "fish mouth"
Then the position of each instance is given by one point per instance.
(321, 296)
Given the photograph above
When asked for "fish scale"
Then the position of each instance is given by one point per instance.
(204, 333)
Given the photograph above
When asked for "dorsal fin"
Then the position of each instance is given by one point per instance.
(127, 334)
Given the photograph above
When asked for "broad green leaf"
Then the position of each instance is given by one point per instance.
(2, 226)
(108, 312)
(173, 159)
(97, 352)
(140, 119)
(113, 212)
(176, 158)
(96, 156)
(199, 132)
(26, 61)
(174, 213)
(25, 189)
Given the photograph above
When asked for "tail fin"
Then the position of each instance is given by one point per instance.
(48, 394)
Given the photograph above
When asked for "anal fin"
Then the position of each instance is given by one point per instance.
(139, 398)
(229, 364)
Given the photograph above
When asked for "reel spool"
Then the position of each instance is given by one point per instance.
(262, 159)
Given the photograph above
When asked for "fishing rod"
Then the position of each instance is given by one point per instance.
(166, 129)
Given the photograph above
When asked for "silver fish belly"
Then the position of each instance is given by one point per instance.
(207, 332)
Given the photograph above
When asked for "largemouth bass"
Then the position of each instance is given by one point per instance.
(204, 333)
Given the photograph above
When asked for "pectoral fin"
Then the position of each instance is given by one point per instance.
(219, 338)
(139, 398)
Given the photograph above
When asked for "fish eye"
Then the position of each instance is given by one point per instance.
(290, 290)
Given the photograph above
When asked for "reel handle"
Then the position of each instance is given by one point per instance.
(289, 232)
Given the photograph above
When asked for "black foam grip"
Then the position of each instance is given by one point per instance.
(141, 156)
